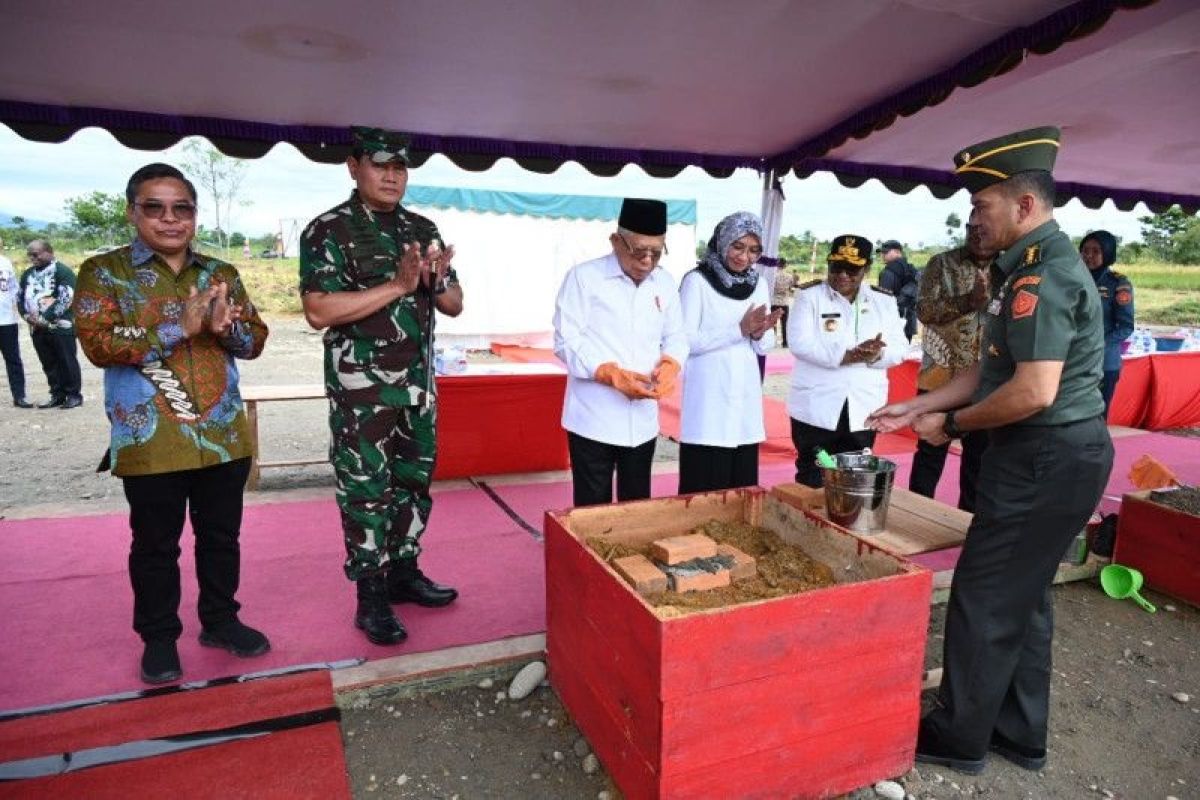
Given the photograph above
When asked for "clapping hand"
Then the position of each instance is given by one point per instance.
(865, 352)
(196, 308)
(757, 321)
(223, 313)
(979, 292)
(436, 265)
(408, 272)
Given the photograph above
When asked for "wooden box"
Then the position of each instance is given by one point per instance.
(1164, 544)
(808, 695)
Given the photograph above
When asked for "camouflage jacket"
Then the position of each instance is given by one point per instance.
(382, 358)
(173, 401)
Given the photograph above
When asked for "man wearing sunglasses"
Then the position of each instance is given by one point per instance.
(44, 299)
(844, 337)
(619, 329)
(166, 323)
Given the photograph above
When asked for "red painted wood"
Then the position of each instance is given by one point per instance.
(1164, 544)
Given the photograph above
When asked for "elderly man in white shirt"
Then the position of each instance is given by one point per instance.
(619, 330)
(844, 337)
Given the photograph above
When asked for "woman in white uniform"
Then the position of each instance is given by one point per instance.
(725, 315)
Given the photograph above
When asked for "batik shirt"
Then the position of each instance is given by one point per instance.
(173, 401)
(382, 359)
(953, 328)
(46, 292)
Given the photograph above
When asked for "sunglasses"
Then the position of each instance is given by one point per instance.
(848, 269)
(156, 210)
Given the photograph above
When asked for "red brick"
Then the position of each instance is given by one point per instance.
(677, 549)
(800, 496)
(701, 581)
(642, 575)
(744, 566)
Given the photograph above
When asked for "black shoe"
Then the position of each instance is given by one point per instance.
(374, 616)
(74, 402)
(1031, 758)
(53, 402)
(241, 640)
(22, 403)
(160, 662)
(932, 750)
(407, 584)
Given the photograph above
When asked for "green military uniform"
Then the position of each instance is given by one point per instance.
(378, 378)
(1041, 480)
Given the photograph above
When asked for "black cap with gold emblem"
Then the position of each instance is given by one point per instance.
(996, 160)
(850, 249)
(379, 145)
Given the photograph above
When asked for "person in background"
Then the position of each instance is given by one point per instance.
(727, 323)
(844, 337)
(44, 299)
(10, 344)
(901, 279)
(1036, 391)
(166, 324)
(950, 304)
(1099, 252)
(619, 330)
(373, 273)
(781, 296)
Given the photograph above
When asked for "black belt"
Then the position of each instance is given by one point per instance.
(1011, 433)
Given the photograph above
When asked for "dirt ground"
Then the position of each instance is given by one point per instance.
(1125, 719)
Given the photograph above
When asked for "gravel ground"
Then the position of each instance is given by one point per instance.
(1126, 692)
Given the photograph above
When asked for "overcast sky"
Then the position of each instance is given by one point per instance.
(36, 179)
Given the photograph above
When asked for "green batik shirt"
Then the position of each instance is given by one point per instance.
(382, 358)
(1046, 308)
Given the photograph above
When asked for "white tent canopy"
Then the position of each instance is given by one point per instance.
(513, 249)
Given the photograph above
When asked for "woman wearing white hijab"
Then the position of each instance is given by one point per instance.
(728, 325)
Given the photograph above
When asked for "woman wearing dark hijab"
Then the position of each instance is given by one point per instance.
(726, 318)
(1098, 251)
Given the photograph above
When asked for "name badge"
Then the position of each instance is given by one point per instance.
(994, 307)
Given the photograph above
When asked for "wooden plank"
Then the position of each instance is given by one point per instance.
(645, 521)
(298, 462)
(421, 666)
(296, 391)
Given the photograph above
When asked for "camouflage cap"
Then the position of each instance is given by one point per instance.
(996, 160)
(381, 146)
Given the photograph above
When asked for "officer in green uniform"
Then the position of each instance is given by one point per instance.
(371, 274)
(1037, 392)
(1099, 252)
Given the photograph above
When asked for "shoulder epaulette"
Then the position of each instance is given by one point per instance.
(810, 284)
(881, 290)
(1032, 255)
(1119, 276)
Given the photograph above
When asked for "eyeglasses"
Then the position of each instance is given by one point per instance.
(156, 210)
(848, 269)
(642, 253)
(740, 248)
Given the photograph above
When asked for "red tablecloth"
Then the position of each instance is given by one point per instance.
(494, 424)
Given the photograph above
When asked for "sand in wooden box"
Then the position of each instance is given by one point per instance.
(805, 695)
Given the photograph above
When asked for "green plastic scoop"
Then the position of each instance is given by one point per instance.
(825, 460)
(1120, 582)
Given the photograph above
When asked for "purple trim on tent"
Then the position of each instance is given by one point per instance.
(994, 58)
(64, 121)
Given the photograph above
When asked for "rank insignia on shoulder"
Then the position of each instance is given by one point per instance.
(810, 284)
(1119, 276)
(881, 290)
(1032, 255)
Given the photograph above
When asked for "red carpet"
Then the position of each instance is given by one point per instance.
(299, 762)
(66, 628)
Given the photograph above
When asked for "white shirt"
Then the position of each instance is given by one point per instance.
(822, 326)
(722, 390)
(10, 284)
(601, 316)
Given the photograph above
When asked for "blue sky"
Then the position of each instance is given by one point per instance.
(36, 179)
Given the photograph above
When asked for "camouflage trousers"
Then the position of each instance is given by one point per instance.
(383, 460)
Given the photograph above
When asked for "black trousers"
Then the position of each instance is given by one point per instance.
(808, 439)
(1037, 489)
(782, 322)
(592, 465)
(60, 362)
(704, 468)
(212, 498)
(10, 346)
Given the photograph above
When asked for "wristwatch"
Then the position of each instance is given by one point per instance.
(440, 287)
(950, 427)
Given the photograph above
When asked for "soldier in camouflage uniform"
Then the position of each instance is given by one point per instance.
(371, 273)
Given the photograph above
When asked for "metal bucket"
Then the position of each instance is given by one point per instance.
(858, 490)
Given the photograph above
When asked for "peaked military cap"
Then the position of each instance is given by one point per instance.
(647, 217)
(981, 165)
(850, 249)
(381, 146)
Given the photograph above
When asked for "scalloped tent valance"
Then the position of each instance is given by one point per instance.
(854, 87)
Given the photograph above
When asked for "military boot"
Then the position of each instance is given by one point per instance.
(407, 584)
(374, 616)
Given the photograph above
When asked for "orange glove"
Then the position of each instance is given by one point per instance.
(633, 385)
(665, 376)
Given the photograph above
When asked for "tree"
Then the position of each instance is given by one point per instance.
(98, 217)
(1159, 231)
(218, 174)
(954, 228)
